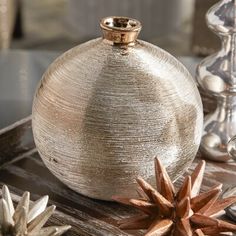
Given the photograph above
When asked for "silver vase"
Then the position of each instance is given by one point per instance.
(106, 108)
(216, 75)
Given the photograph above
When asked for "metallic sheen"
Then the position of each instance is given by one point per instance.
(231, 148)
(230, 211)
(216, 75)
(120, 30)
(103, 111)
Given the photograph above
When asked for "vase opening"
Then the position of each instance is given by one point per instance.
(120, 30)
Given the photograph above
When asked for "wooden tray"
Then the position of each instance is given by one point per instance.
(22, 169)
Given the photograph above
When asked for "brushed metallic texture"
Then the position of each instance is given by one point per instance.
(216, 75)
(102, 113)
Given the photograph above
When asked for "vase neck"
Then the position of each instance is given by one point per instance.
(120, 30)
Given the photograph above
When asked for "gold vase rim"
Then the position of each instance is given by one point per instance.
(120, 29)
(120, 23)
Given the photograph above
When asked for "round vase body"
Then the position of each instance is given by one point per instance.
(103, 111)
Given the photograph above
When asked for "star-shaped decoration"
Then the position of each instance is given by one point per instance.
(185, 212)
(27, 219)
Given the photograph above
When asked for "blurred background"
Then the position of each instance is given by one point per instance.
(177, 26)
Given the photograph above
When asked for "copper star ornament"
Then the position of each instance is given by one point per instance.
(26, 219)
(181, 213)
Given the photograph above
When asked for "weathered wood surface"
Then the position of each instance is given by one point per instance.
(22, 169)
(16, 140)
